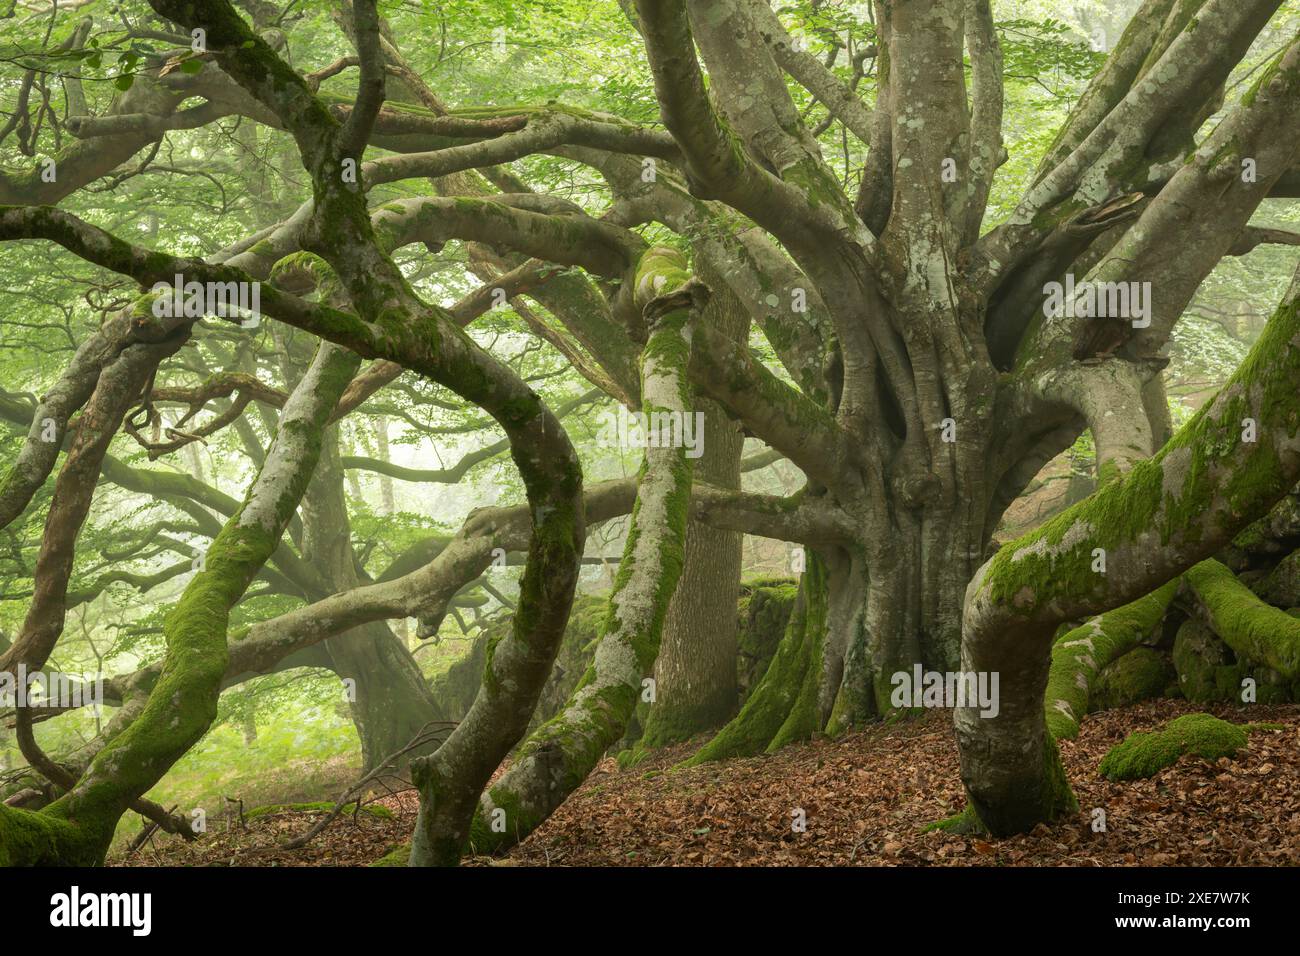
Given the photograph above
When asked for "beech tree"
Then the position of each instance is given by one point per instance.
(878, 331)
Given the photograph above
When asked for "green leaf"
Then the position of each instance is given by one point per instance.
(125, 81)
(191, 66)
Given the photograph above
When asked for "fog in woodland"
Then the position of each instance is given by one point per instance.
(475, 431)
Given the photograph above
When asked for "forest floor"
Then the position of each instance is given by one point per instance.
(865, 799)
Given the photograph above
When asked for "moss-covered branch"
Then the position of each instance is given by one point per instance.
(552, 762)
(76, 829)
(1080, 655)
(1256, 631)
(1227, 466)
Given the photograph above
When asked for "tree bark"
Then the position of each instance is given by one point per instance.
(388, 696)
(695, 673)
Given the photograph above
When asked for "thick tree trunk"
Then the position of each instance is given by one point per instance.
(1152, 524)
(695, 675)
(388, 696)
(393, 703)
(854, 631)
(785, 704)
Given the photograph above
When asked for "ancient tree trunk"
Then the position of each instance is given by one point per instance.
(388, 696)
(695, 674)
(1208, 482)
(858, 635)
(555, 759)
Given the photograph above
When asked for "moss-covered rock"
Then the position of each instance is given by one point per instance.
(1282, 586)
(1146, 754)
(1140, 674)
(1207, 669)
(764, 608)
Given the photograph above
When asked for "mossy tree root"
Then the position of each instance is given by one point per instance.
(1078, 656)
(1254, 630)
(783, 707)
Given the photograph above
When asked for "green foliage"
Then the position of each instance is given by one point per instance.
(203, 189)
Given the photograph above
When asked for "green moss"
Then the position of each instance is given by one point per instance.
(1207, 670)
(1144, 755)
(518, 820)
(40, 839)
(1282, 586)
(967, 822)
(1178, 496)
(305, 268)
(764, 613)
(1139, 675)
(399, 856)
(1080, 654)
(1059, 798)
(1254, 630)
(1267, 74)
(489, 676)
(782, 708)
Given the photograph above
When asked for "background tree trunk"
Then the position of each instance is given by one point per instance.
(695, 675)
(392, 701)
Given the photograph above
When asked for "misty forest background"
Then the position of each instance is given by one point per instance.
(404, 468)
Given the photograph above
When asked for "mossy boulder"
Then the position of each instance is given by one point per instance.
(765, 607)
(1140, 674)
(1210, 672)
(1207, 669)
(1144, 755)
(1272, 688)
